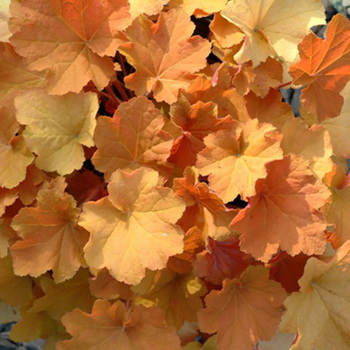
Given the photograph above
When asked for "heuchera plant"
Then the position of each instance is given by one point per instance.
(156, 192)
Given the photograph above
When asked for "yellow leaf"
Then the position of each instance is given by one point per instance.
(134, 227)
(272, 27)
(320, 311)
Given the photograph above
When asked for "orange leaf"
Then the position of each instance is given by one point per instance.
(71, 39)
(284, 213)
(132, 138)
(246, 310)
(324, 69)
(259, 79)
(118, 328)
(235, 158)
(164, 55)
(134, 227)
(50, 236)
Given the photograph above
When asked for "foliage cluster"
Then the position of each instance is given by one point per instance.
(155, 190)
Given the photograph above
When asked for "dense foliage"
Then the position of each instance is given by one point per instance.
(156, 191)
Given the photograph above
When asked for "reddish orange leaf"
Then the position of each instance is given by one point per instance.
(164, 55)
(324, 68)
(204, 209)
(134, 227)
(285, 212)
(221, 260)
(195, 122)
(50, 236)
(288, 269)
(132, 138)
(118, 328)
(71, 39)
(246, 310)
(193, 244)
(235, 158)
(269, 109)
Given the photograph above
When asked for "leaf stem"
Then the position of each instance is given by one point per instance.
(121, 90)
(283, 85)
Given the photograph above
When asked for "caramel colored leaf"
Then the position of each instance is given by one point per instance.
(42, 319)
(117, 328)
(179, 296)
(13, 151)
(134, 227)
(70, 38)
(104, 286)
(15, 78)
(50, 236)
(285, 212)
(57, 128)
(132, 138)
(246, 310)
(259, 79)
(272, 27)
(320, 311)
(14, 290)
(164, 55)
(324, 69)
(235, 159)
